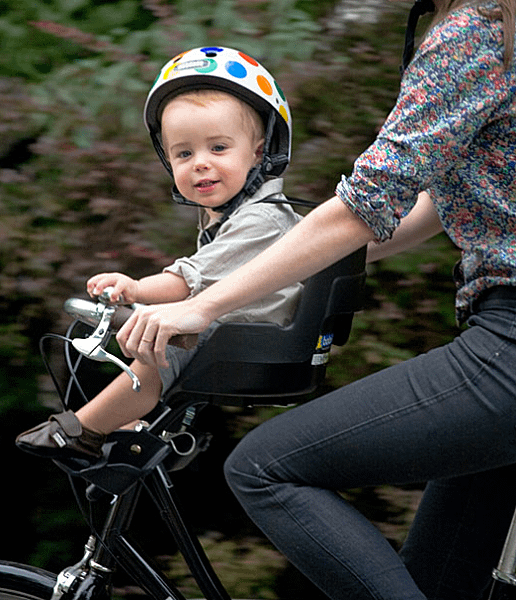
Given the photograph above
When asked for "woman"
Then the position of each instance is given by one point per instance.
(447, 417)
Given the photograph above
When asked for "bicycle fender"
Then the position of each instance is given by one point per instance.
(25, 578)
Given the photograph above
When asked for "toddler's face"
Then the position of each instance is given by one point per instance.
(209, 149)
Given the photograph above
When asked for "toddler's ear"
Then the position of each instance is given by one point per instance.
(258, 152)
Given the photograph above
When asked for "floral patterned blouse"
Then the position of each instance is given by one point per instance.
(453, 133)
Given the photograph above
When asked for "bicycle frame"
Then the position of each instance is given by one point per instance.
(92, 579)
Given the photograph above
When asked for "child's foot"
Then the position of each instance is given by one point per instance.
(62, 436)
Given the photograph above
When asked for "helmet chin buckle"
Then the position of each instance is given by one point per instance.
(267, 164)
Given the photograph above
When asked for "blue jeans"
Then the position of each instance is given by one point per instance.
(447, 417)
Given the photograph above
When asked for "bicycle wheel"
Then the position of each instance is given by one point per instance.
(22, 582)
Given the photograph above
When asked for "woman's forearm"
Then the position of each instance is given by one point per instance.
(327, 234)
(420, 224)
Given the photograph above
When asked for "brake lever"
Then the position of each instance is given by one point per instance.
(93, 346)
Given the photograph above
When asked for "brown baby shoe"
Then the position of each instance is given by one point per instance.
(60, 437)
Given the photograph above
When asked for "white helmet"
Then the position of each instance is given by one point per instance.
(233, 72)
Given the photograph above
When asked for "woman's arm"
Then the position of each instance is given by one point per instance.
(419, 225)
(324, 236)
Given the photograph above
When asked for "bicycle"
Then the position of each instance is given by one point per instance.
(241, 364)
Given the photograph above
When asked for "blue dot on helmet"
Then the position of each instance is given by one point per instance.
(236, 69)
(212, 51)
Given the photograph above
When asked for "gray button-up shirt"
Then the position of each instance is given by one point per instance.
(253, 227)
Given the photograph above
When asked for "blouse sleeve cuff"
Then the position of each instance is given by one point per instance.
(372, 210)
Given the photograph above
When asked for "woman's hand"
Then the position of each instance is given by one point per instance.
(125, 289)
(150, 328)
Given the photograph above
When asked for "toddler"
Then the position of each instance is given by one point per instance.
(222, 128)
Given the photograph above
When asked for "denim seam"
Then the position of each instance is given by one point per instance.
(373, 421)
(504, 344)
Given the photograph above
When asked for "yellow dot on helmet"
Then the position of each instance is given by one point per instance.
(169, 72)
(283, 112)
(264, 85)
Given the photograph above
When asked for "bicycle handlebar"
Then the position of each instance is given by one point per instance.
(108, 318)
(120, 316)
(91, 313)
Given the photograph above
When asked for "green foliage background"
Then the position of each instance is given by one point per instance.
(81, 191)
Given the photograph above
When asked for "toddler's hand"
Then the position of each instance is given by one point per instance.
(125, 289)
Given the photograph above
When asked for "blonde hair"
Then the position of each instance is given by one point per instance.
(505, 11)
(251, 120)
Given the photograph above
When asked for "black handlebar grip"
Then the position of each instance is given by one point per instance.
(122, 313)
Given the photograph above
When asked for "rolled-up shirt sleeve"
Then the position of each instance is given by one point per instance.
(238, 240)
(187, 268)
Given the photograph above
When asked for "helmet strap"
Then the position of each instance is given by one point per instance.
(161, 153)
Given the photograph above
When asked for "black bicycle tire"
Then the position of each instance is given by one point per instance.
(23, 582)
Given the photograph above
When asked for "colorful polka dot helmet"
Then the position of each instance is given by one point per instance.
(234, 72)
